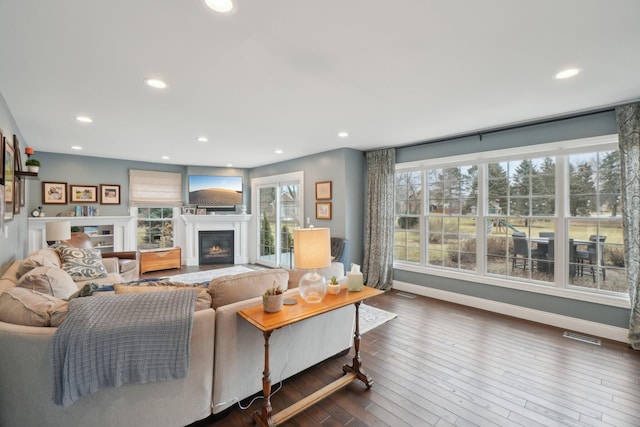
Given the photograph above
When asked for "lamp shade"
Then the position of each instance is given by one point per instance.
(312, 248)
(58, 230)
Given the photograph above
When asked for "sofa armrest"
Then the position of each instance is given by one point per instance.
(121, 255)
(111, 265)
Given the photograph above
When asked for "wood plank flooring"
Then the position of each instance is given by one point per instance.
(442, 364)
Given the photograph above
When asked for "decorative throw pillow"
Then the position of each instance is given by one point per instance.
(203, 302)
(48, 280)
(81, 264)
(22, 306)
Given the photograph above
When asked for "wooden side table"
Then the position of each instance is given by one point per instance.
(159, 259)
(269, 322)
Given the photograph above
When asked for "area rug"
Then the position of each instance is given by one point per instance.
(372, 317)
(207, 275)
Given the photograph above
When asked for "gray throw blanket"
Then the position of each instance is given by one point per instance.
(112, 340)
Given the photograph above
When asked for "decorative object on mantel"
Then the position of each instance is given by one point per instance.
(312, 250)
(36, 212)
(272, 299)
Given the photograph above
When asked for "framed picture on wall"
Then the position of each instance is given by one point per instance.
(83, 193)
(1, 206)
(9, 179)
(54, 193)
(323, 210)
(2, 162)
(109, 194)
(18, 182)
(323, 190)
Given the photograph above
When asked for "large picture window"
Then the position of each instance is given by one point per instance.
(532, 220)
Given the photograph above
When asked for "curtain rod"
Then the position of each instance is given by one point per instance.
(513, 126)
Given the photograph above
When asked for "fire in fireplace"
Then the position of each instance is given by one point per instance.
(216, 247)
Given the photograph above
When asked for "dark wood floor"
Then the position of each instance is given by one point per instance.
(442, 364)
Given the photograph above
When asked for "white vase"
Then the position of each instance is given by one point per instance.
(33, 169)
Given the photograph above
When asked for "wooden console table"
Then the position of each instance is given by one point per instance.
(269, 322)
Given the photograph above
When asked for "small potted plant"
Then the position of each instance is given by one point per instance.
(272, 299)
(333, 287)
(33, 165)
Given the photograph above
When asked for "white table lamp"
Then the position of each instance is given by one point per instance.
(58, 230)
(312, 250)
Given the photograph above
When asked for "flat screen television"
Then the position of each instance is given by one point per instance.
(215, 191)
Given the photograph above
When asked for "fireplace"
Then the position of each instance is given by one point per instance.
(216, 247)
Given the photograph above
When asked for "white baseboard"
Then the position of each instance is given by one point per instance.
(571, 323)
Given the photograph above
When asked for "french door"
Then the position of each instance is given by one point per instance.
(279, 209)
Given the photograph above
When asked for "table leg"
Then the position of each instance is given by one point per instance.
(264, 417)
(356, 366)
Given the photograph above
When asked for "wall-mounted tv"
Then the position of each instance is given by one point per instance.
(215, 191)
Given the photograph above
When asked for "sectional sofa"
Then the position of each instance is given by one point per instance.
(226, 352)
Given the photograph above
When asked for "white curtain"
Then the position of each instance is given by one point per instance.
(378, 244)
(153, 188)
(628, 118)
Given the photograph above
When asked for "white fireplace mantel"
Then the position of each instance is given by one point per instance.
(193, 224)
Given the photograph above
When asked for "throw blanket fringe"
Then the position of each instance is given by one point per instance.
(112, 340)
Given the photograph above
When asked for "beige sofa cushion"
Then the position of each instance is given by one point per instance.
(39, 259)
(81, 264)
(229, 289)
(203, 302)
(22, 306)
(48, 280)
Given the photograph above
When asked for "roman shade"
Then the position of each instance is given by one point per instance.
(152, 188)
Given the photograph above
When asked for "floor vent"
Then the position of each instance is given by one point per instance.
(583, 338)
(402, 294)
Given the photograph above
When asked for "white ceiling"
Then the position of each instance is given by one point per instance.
(291, 74)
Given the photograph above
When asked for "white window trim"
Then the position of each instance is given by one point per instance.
(557, 149)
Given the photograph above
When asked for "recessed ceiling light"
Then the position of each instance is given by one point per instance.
(203, 139)
(165, 157)
(229, 165)
(76, 147)
(155, 83)
(279, 151)
(568, 73)
(220, 6)
(84, 119)
(343, 134)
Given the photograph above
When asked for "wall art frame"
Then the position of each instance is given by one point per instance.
(83, 193)
(9, 173)
(54, 193)
(323, 210)
(323, 190)
(19, 183)
(1, 206)
(109, 194)
(2, 161)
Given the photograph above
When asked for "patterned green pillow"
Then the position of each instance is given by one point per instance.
(81, 264)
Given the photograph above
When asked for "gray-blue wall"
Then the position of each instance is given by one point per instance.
(13, 238)
(345, 169)
(588, 126)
